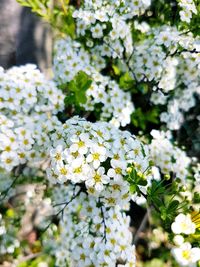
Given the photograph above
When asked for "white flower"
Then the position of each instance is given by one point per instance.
(57, 154)
(185, 255)
(97, 31)
(178, 240)
(185, 15)
(9, 160)
(118, 169)
(97, 155)
(183, 224)
(98, 179)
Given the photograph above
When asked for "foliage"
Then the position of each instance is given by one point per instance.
(77, 89)
(107, 137)
(57, 13)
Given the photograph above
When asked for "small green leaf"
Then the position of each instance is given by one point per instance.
(77, 89)
(116, 70)
(133, 188)
(126, 82)
(173, 206)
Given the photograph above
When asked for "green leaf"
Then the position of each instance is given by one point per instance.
(77, 89)
(173, 206)
(126, 82)
(116, 70)
(133, 188)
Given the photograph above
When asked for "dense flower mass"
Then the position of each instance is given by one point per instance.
(174, 74)
(28, 102)
(107, 22)
(25, 139)
(97, 155)
(98, 236)
(167, 156)
(25, 90)
(119, 67)
(93, 158)
(70, 58)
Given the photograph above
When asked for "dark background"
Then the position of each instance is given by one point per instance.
(24, 37)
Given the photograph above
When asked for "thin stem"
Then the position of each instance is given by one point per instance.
(104, 223)
(65, 205)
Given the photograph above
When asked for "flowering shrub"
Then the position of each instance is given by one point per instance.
(115, 104)
(82, 153)
(100, 235)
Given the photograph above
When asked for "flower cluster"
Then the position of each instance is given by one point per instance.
(116, 104)
(188, 7)
(186, 90)
(25, 90)
(94, 169)
(96, 155)
(27, 104)
(89, 163)
(168, 157)
(25, 139)
(176, 77)
(92, 235)
(184, 253)
(106, 22)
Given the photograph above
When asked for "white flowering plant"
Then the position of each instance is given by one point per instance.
(97, 164)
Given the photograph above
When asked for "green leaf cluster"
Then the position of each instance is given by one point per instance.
(135, 179)
(141, 119)
(77, 89)
(163, 198)
(57, 13)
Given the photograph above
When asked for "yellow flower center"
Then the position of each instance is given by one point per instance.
(78, 170)
(97, 178)
(96, 156)
(58, 156)
(63, 171)
(81, 144)
(186, 254)
(118, 170)
(8, 160)
(82, 257)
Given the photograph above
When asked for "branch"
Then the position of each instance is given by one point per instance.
(104, 224)
(17, 172)
(62, 210)
(179, 52)
(68, 202)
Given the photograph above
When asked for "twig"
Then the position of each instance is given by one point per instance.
(104, 224)
(68, 202)
(177, 52)
(62, 210)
